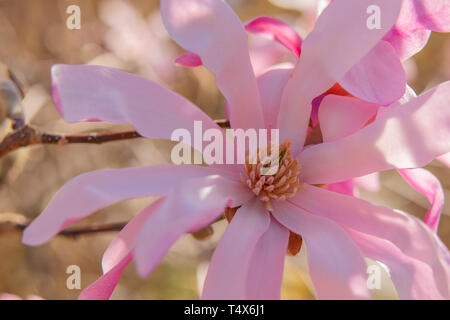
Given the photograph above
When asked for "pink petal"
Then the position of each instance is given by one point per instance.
(112, 95)
(417, 17)
(378, 78)
(445, 159)
(266, 54)
(95, 190)
(427, 184)
(271, 86)
(103, 288)
(369, 182)
(278, 31)
(8, 296)
(125, 241)
(404, 136)
(346, 187)
(189, 59)
(337, 268)
(407, 233)
(339, 40)
(117, 256)
(229, 269)
(336, 89)
(261, 56)
(341, 116)
(267, 264)
(212, 30)
(34, 297)
(412, 278)
(190, 206)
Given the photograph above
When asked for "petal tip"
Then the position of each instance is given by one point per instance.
(30, 238)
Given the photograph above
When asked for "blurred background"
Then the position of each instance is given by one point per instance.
(129, 35)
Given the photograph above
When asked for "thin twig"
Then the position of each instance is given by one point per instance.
(18, 222)
(28, 135)
(15, 221)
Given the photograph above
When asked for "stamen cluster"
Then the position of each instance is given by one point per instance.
(280, 185)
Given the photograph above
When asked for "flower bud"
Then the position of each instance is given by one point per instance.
(11, 103)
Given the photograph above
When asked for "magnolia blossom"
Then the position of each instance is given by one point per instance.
(342, 114)
(410, 33)
(267, 214)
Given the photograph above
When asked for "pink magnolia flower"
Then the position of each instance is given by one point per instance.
(352, 112)
(339, 230)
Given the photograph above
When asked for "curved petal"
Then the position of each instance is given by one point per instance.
(212, 30)
(416, 19)
(229, 268)
(95, 190)
(378, 78)
(404, 136)
(445, 159)
(339, 40)
(104, 286)
(341, 116)
(412, 278)
(406, 232)
(427, 184)
(125, 241)
(345, 187)
(190, 206)
(336, 265)
(189, 59)
(107, 94)
(278, 31)
(117, 256)
(271, 27)
(266, 54)
(370, 182)
(336, 89)
(270, 85)
(9, 296)
(267, 264)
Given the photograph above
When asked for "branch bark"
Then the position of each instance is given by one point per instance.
(18, 222)
(10, 222)
(28, 135)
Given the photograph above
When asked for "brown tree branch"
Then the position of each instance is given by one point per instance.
(28, 135)
(16, 222)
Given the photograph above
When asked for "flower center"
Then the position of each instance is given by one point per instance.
(273, 183)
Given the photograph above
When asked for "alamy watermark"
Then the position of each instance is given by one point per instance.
(74, 19)
(73, 281)
(373, 277)
(374, 20)
(234, 146)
